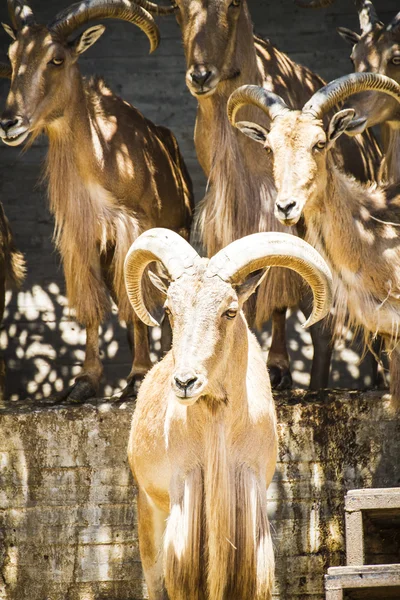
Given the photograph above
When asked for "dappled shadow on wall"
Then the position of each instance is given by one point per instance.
(44, 348)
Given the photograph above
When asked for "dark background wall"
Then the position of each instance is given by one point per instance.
(44, 345)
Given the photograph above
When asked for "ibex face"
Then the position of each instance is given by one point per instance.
(42, 81)
(296, 144)
(209, 30)
(204, 313)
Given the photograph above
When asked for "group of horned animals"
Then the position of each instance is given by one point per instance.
(203, 440)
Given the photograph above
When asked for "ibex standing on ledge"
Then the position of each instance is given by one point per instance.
(221, 54)
(203, 441)
(356, 227)
(112, 173)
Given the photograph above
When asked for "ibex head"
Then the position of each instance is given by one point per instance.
(376, 50)
(43, 60)
(209, 32)
(298, 142)
(204, 299)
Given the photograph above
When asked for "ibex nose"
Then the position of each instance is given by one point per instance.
(285, 206)
(184, 381)
(8, 123)
(200, 76)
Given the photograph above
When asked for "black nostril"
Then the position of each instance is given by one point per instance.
(200, 76)
(286, 208)
(184, 385)
(7, 124)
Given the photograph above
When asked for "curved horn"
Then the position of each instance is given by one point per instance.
(156, 9)
(314, 3)
(5, 70)
(270, 103)
(82, 12)
(260, 250)
(394, 24)
(338, 90)
(367, 15)
(20, 13)
(158, 244)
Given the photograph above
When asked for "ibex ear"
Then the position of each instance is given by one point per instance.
(351, 37)
(252, 130)
(339, 123)
(248, 287)
(9, 30)
(88, 38)
(160, 284)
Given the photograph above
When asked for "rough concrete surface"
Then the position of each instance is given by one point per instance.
(44, 345)
(67, 498)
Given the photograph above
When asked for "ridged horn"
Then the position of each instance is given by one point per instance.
(314, 3)
(156, 9)
(367, 15)
(5, 70)
(261, 250)
(394, 25)
(270, 103)
(162, 245)
(80, 13)
(338, 90)
(20, 13)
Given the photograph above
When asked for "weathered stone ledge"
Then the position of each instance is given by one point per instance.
(67, 498)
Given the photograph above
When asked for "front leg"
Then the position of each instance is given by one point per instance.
(278, 357)
(321, 335)
(151, 525)
(88, 381)
(138, 338)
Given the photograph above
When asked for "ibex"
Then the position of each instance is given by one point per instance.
(355, 227)
(221, 54)
(12, 273)
(12, 262)
(376, 50)
(111, 172)
(203, 440)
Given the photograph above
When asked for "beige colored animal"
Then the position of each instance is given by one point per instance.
(376, 50)
(354, 226)
(221, 54)
(111, 172)
(203, 441)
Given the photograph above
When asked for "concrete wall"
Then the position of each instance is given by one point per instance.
(67, 498)
(44, 346)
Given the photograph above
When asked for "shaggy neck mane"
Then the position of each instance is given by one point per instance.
(88, 221)
(358, 222)
(390, 169)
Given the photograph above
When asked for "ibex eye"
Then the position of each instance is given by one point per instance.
(320, 145)
(230, 314)
(396, 59)
(235, 3)
(56, 61)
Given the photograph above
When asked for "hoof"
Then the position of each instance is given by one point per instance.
(81, 390)
(280, 377)
(132, 387)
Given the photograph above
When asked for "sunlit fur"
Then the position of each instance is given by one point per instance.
(111, 174)
(374, 52)
(354, 226)
(241, 194)
(203, 467)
